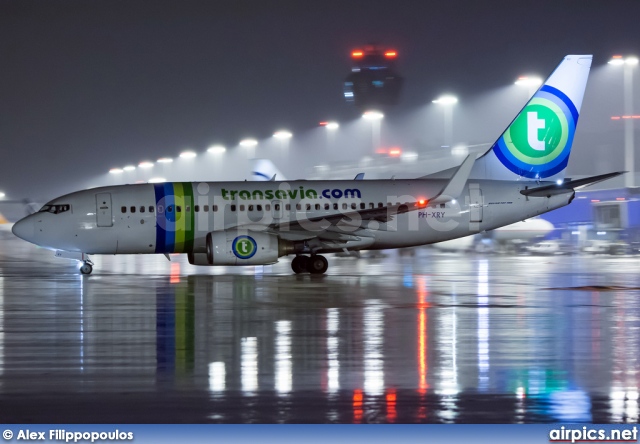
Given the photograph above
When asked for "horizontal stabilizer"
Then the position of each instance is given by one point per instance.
(569, 185)
(456, 184)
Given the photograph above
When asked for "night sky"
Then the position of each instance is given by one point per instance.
(88, 85)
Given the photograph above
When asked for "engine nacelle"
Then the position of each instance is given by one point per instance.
(198, 258)
(234, 247)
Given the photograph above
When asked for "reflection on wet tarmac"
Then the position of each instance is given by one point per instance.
(430, 338)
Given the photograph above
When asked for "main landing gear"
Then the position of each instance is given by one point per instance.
(315, 264)
(87, 267)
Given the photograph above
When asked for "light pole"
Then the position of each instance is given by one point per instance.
(374, 117)
(531, 83)
(447, 103)
(284, 137)
(629, 150)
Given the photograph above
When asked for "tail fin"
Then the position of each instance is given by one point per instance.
(264, 169)
(537, 144)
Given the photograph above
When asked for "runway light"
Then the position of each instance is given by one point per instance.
(332, 125)
(395, 152)
(282, 135)
(129, 168)
(2, 195)
(165, 160)
(145, 165)
(357, 54)
(372, 115)
(631, 61)
(216, 149)
(157, 180)
(390, 54)
(616, 60)
(115, 171)
(528, 81)
(187, 154)
(446, 100)
(247, 143)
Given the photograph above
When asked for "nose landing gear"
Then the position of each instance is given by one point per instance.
(316, 264)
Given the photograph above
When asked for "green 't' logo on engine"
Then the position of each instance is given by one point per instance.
(539, 134)
(244, 247)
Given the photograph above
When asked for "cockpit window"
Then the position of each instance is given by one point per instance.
(55, 209)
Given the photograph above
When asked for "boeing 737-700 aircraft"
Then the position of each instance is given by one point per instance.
(255, 223)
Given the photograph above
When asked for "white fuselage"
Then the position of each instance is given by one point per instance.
(176, 217)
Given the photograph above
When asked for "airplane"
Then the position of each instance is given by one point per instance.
(507, 237)
(254, 223)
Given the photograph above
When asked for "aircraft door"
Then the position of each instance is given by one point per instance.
(475, 202)
(276, 208)
(104, 216)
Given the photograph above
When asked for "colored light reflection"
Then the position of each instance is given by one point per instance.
(175, 273)
(391, 405)
(421, 288)
(357, 405)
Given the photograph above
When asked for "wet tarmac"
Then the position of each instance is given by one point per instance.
(399, 339)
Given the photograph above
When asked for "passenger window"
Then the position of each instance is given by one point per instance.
(372, 205)
(150, 209)
(215, 208)
(442, 205)
(363, 205)
(298, 207)
(267, 207)
(276, 207)
(335, 206)
(233, 208)
(170, 209)
(259, 207)
(133, 209)
(142, 209)
(241, 207)
(308, 207)
(178, 209)
(160, 209)
(123, 209)
(205, 208)
(287, 207)
(353, 206)
(317, 207)
(344, 206)
(197, 208)
(380, 205)
(250, 207)
(327, 207)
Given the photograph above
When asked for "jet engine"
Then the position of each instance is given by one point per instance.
(233, 247)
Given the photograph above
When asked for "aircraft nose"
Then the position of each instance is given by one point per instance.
(24, 229)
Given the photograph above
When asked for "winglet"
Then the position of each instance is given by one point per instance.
(359, 176)
(455, 186)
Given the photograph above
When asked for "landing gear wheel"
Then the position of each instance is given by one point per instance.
(317, 264)
(86, 268)
(299, 264)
